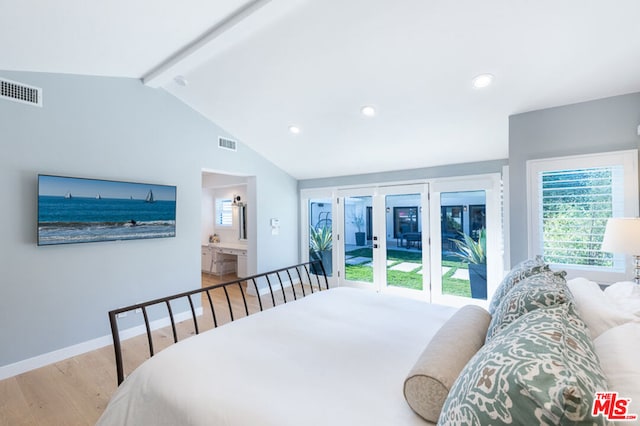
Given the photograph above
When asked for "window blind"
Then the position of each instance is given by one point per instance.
(224, 212)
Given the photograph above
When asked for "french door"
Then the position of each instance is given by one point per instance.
(466, 244)
(319, 229)
(410, 239)
(383, 239)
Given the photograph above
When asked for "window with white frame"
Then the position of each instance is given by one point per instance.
(571, 199)
(224, 212)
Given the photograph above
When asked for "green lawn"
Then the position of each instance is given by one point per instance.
(455, 286)
(411, 279)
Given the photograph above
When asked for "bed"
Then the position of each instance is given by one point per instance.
(344, 356)
(338, 356)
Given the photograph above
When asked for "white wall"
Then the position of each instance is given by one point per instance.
(57, 296)
(208, 212)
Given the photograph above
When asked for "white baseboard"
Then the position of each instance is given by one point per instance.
(38, 361)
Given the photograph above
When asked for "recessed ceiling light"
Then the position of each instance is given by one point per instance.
(368, 110)
(181, 80)
(294, 129)
(482, 80)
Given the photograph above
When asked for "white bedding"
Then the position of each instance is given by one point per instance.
(338, 357)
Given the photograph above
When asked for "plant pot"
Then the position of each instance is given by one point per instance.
(360, 238)
(478, 280)
(327, 262)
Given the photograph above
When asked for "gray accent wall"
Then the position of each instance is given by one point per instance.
(602, 125)
(114, 128)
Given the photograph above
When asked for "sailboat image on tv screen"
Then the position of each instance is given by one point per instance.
(82, 210)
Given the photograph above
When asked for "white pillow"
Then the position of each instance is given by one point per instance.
(626, 295)
(618, 350)
(596, 310)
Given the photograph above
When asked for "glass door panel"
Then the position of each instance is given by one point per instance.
(321, 232)
(358, 239)
(403, 233)
(404, 266)
(464, 244)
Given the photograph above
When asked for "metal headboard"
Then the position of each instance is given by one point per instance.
(301, 275)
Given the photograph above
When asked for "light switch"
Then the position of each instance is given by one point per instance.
(275, 226)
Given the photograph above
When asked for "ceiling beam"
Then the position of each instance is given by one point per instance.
(196, 52)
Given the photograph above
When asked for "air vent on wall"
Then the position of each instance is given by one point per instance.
(229, 144)
(18, 92)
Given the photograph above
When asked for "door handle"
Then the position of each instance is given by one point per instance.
(375, 246)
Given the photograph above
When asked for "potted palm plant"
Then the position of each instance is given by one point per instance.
(320, 247)
(475, 254)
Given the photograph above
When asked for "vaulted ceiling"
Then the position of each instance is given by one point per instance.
(258, 67)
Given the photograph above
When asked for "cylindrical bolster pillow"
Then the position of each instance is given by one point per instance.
(428, 383)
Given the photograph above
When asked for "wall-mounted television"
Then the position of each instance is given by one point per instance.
(81, 210)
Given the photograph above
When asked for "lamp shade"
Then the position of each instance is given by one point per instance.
(622, 235)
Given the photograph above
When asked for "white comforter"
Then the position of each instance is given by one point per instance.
(338, 357)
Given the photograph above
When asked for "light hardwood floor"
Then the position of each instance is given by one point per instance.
(75, 391)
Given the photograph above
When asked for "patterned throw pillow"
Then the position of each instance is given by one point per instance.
(519, 272)
(537, 291)
(540, 370)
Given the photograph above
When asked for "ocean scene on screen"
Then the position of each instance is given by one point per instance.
(76, 210)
